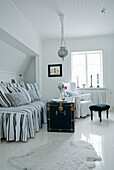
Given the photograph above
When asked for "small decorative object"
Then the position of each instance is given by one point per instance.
(12, 81)
(83, 85)
(97, 80)
(55, 70)
(62, 51)
(62, 89)
(103, 11)
(77, 78)
(91, 81)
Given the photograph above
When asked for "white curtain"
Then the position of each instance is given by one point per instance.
(98, 96)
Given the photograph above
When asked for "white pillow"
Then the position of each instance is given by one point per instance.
(72, 93)
(72, 86)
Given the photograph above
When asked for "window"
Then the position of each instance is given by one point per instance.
(87, 68)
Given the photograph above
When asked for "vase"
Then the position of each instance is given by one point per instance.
(83, 85)
(62, 95)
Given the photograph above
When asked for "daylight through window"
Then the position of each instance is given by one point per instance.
(87, 68)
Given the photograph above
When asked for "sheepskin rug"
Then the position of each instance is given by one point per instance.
(58, 155)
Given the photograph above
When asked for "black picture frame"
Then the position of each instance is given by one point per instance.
(55, 70)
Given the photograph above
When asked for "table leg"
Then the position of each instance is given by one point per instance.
(91, 115)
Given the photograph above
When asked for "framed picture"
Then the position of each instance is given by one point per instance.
(55, 70)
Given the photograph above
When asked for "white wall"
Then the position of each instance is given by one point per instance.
(50, 48)
(16, 30)
(14, 22)
(12, 62)
(7, 76)
(30, 74)
(49, 85)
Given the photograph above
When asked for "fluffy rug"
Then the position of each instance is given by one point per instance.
(58, 155)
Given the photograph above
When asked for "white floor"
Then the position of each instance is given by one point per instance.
(99, 134)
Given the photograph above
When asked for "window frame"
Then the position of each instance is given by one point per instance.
(86, 67)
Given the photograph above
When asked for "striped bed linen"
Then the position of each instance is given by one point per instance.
(21, 123)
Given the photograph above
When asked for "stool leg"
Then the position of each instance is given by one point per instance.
(91, 115)
(100, 116)
(107, 113)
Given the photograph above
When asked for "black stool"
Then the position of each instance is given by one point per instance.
(99, 108)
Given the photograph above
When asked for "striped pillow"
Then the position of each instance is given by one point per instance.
(33, 95)
(20, 89)
(34, 86)
(17, 98)
(12, 89)
(4, 83)
(3, 98)
(23, 90)
(8, 84)
(22, 84)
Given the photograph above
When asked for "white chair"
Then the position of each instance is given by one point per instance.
(83, 101)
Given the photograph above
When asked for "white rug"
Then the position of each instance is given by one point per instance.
(58, 155)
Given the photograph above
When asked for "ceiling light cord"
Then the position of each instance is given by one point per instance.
(62, 30)
(62, 51)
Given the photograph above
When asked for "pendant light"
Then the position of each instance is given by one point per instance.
(62, 51)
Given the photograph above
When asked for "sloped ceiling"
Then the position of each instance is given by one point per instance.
(13, 60)
(81, 17)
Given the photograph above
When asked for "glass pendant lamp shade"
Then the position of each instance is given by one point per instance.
(62, 52)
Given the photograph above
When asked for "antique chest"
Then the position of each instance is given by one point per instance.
(60, 116)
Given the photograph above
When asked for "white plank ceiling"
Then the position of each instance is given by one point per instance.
(81, 17)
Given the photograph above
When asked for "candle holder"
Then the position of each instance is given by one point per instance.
(91, 81)
(97, 80)
(77, 78)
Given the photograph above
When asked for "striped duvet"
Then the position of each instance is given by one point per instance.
(21, 123)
